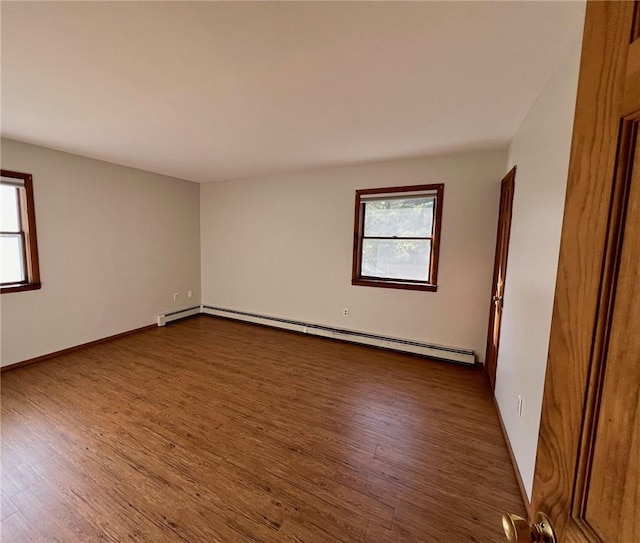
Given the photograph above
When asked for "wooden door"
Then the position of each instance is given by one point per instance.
(499, 274)
(587, 477)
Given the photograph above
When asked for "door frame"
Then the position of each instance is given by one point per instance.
(607, 108)
(505, 214)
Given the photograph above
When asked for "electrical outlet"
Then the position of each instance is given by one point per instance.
(345, 312)
(519, 406)
(175, 296)
(189, 294)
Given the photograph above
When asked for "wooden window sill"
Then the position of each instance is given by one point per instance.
(20, 288)
(394, 284)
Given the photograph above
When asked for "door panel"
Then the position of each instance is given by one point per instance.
(613, 493)
(587, 466)
(507, 188)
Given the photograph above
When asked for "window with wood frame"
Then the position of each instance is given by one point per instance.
(397, 237)
(18, 244)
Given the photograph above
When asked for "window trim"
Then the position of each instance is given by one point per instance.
(358, 230)
(28, 230)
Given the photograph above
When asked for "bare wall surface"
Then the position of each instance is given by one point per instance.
(541, 150)
(114, 243)
(282, 246)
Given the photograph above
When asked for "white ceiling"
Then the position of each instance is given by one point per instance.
(220, 90)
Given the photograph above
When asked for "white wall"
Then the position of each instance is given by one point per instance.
(541, 150)
(114, 245)
(282, 246)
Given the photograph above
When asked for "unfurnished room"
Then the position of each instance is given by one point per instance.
(322, 271)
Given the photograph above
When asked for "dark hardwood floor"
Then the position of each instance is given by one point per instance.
(215, 431)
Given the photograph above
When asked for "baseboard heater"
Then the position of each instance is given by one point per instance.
(440, 352)
(177, 315)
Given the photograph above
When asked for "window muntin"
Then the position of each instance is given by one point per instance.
(18, 245)
(397, 235)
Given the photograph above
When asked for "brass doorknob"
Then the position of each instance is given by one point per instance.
(518, 530)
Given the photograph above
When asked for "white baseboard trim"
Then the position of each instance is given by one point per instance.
(440, 352)
(165, 318)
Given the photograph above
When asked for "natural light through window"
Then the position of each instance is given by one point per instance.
(397, 237)
(18, 247)
(12, 270)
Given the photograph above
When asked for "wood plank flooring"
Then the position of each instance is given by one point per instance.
(209, 430)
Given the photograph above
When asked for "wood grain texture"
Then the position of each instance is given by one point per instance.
(215, 431)
(507, 188)
(74, 348)
(587, 258)
(612, 500)
(631, 100)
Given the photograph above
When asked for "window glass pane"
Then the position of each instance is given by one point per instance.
(9, 209)
(12, 264)
(396, 259)
(402, 217)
